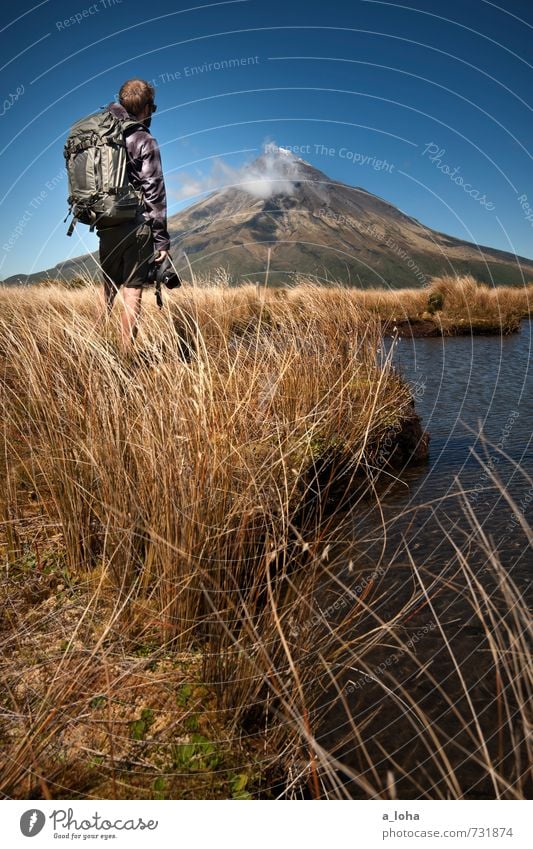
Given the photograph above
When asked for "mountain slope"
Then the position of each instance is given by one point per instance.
(313, 226)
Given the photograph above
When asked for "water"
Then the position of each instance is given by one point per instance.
(464, 387)
(475, 397)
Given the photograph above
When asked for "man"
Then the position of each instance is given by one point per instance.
(127, 249)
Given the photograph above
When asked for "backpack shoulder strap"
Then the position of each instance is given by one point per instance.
(128, 123)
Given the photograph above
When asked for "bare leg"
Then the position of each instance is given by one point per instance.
(130, 317)
(106, 300)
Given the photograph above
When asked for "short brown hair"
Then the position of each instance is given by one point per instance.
(135, 94)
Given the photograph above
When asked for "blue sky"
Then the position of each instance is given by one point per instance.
(434, 92)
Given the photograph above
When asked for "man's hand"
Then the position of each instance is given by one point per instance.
(161, 256)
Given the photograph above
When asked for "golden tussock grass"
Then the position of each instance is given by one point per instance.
(451, 301)
(163, 624)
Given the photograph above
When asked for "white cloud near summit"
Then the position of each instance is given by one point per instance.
(275, 172)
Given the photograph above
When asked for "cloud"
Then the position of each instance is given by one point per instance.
(274, 172)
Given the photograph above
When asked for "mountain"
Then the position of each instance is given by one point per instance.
(314, 226)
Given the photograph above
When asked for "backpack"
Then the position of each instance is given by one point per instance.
(96, 158)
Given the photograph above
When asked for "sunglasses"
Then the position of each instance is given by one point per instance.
(153, 107)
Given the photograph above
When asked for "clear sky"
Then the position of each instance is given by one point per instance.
(405, 100)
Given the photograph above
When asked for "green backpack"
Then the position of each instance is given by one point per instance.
(96, 157)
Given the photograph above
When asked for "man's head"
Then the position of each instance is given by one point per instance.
(137, 97)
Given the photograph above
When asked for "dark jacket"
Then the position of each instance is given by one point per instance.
(145, 173)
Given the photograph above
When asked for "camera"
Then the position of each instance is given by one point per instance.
(163, 273)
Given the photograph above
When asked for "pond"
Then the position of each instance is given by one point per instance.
(475, 397)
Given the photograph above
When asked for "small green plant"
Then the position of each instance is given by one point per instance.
(191, 723)
(196, 755)
(145, 649)
(435, 302)
(238, 786)
(139, 727)
(184, 694)
(160, 788)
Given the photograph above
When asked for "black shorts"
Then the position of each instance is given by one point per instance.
(125, 253)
